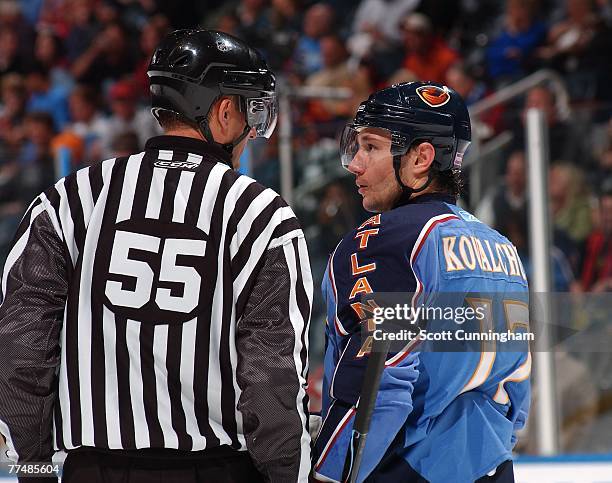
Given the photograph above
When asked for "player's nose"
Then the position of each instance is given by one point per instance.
(356, 166)
(252, 133)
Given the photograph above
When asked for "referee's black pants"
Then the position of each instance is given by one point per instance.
(218, 465)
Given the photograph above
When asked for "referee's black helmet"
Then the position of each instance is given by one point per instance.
(191, 69)
(412, 112)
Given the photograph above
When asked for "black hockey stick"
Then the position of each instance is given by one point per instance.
(365, 408)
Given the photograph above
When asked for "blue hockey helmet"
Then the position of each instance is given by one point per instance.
(412, 112)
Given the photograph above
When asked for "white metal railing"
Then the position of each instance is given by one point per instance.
(512, 91)
(540, 240)
(476, 153)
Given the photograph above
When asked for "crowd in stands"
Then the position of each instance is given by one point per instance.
(73, 87)
(73, 80)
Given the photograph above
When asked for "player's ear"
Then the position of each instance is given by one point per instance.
(224, 113)
(425, 154)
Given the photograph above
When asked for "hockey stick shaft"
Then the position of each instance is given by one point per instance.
(365, 409)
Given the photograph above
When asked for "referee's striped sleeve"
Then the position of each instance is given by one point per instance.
(272, 346)
(34, 287)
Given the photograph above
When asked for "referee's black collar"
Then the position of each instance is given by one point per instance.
(189, 145)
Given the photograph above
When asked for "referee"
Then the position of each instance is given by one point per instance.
(156, 307)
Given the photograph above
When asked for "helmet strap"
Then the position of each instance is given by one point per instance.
(228, 147)
(407, 192)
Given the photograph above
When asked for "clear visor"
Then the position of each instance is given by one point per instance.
(262, 114)
(361, 145)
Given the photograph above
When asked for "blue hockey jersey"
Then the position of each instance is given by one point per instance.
(448, 416)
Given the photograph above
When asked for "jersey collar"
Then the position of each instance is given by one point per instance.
(189, 145)
(443, 197)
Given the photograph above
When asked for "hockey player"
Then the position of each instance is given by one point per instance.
(439, 416)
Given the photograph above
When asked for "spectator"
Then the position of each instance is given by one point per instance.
(337, 72)
(579, 46)
(318, 22)
(377, 25)
(426, 55)
(73, 145)
(516, 230)
(10, 58)
(462, 79)
(510, 55)
(447, 14)
(509, 200)
(597, 266)
(285, 20)
(48, 52)
(11, 18)
(109, 57)
(602, 153)
(35, 160)
(12, 112)
(56, 15)
(82, 30)
(254, 23)
(286, 15)
(569, 201)
(107, 12)
(126, 116)
(87, 121)
(229, 23)
(30, 11)
(150, 36)
(46, 96)
(565, 141)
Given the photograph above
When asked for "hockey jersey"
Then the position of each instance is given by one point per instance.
(447, 416)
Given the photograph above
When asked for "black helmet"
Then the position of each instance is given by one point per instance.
(414, 111)
(191, 69)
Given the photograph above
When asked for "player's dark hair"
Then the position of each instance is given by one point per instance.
(170, 121)
(449, 181)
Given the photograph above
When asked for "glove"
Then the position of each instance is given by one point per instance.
(314, 424)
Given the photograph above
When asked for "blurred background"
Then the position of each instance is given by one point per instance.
(74, 91)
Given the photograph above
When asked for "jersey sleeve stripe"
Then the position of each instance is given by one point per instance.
(65, 217)
(297, 311)
(85, 194)
(425, 231)
(332, 440)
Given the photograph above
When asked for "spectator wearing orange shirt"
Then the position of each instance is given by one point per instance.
(427, 55)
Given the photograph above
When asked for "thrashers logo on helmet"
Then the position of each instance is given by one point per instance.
(433, 96)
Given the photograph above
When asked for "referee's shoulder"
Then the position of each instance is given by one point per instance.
(255, 186)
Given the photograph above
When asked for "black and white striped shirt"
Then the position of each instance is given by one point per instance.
(172, 297)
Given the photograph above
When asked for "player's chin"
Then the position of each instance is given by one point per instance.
(370, 204)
